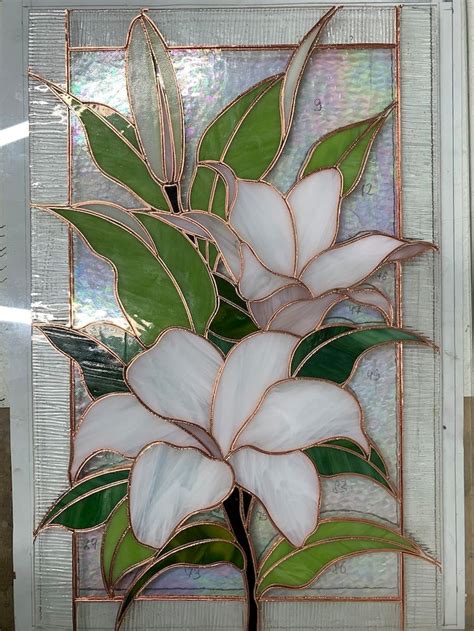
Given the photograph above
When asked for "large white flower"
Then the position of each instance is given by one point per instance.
(197, 424)
(282, 250)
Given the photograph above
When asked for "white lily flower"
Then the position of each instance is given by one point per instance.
(282, 250)
(197, 424)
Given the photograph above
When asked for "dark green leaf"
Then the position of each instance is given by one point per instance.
(200, 553)
(89, 502)
(121, 342)
(347, 148)
(331, 460)
(147, 292)
(232, 320)
(102, 370)
(224, 345)
(336, 358)
(332, 541)
(312, 341)
(187, 267)
(117, 120)
(113, 154)
(197, 532)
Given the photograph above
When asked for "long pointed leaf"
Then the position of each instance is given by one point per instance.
(88, 503)
(112, 153)
(102, 370)
(201, 553)
(336, 358)
(121, 123)
(347, 148)
(148, 294)
(332, 541)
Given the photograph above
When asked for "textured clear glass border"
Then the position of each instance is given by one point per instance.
(407, 322)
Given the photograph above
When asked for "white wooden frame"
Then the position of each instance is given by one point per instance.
(455, 252)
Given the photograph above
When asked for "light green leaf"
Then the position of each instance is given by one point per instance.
(89, 502)
(347, 148)
(147, 292)
(155, 99)
(111, 151)
(188, 268)
(333, 540)
(121, 123)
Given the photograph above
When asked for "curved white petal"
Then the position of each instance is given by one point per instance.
(250, 368)
(351, 262)
(303, 316)
(261, 217)
(286, 484)
(208, 226)
(373, 298)
(315, 201)
(298, 413)
(262, 310)
(168, 484)
(175, 378)
(257, 281)
(119, 422)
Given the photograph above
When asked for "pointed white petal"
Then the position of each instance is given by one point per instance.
(169, 484)
(298, 413)
(250, 368)
(286, 484)
(303, 316)
(120, 423)
(257, 281)
(373, 298)
(349, 263)
(175, 378)
(262, 218)
(315, 203)
(262, 310)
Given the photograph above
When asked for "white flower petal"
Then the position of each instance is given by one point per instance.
(303, 316)
(208, 226)
(286, 484)
(299, 413)
(349, 263)
(262, 218)
(120, 423)
(250, 368)
(315, 202)
(175, 378)
(257, 281)
(373, 298)
(168, 484)
(262, 310)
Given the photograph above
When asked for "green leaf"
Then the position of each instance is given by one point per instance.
(246, 135)
(102, 370)
(331, 460)
(125, 127)
(155, 99)
(88, 503)
(201, 553)
(118, 340)
(121, 551)
(333, 540)
(147, 292)
(197, 532)
(223, 345)
(347, 148)
(232, 320)
(188, 268)
(335, 359)
(112, 153)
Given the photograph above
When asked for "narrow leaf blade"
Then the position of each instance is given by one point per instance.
(120, 122)
(89, 502)
(337, 358)
(101, 369)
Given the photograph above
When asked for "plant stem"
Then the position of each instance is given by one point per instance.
(236, 507)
